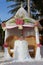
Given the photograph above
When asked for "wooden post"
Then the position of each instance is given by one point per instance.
(29, 8)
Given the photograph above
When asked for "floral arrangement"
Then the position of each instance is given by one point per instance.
(20, 22)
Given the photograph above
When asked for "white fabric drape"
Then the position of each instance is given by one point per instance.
(21, 50)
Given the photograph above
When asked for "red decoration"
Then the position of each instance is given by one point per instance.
(38, 45)
(5, 45)
(19, 21)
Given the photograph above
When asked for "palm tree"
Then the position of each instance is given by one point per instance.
(29, 8)
(17, 5)
(39, 5)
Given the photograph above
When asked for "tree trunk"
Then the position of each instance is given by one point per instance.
(29, 8)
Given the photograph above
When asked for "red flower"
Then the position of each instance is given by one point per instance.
(19, 21)
(5, 45)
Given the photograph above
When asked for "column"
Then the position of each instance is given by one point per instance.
(38, 55)
(6, 54)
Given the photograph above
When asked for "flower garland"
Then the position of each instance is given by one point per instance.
(18, 21)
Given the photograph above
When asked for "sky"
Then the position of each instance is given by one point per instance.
(4, 15)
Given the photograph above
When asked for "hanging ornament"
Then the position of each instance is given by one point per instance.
(20, 27)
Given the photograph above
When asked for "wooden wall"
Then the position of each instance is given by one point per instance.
(31, 43)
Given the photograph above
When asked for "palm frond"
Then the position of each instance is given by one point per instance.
(16, 0)
(14, 5)
(14, 10)
(9, 0)
(19, 0)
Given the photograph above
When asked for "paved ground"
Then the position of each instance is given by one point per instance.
(41, 51)
(34, 62)
(1, 54)
(11, 62)
(26, 63)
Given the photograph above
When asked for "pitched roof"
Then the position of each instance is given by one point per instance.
(21, 13)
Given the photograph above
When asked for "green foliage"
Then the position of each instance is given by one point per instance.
(16, 0)
(15, 6)
(14, 10)
(39, 5)
(27, 20)
(9, 0)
